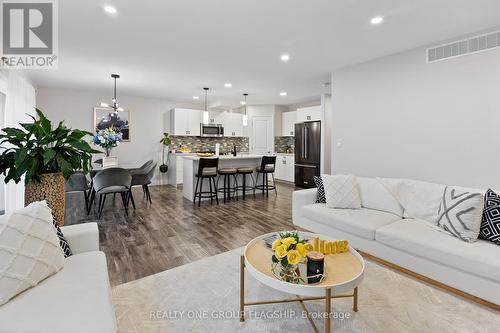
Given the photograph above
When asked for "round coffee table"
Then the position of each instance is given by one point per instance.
(344, 273)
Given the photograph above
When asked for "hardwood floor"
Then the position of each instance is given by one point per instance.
(172, 231)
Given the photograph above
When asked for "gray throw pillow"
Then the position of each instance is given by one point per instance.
(460, 213)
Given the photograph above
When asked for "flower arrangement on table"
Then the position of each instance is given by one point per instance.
(289, 251)
(107, 139)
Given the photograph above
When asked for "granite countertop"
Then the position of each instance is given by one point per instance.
(225, 157)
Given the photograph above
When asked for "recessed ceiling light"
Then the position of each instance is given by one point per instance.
(110, 9)
(196, 97)
(285, 57)
(283, 93)
(228, 85)
(377, 20)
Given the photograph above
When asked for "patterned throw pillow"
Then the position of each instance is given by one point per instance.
(320, 196)
(29, 249)
(490, 225)
(342, 191)
(460, 213)
(63, 243)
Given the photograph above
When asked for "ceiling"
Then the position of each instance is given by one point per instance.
(172, 49)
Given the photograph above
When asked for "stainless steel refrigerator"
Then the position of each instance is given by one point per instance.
(307, 153)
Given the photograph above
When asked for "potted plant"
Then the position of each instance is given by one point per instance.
(166, 141)
(45, 156)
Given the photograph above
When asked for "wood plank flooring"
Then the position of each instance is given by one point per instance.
(172, 231)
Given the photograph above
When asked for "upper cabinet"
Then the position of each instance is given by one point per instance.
(309, 114)
(232, 122)
(185, 122)
(288, 120)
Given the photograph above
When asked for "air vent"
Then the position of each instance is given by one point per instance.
(463, 47)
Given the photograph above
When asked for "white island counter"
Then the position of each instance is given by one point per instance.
(225, 161)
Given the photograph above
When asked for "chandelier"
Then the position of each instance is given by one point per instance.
(114, 104)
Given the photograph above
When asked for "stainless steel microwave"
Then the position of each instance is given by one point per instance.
(211, 130)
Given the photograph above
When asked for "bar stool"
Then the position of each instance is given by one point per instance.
(244, 172)
(267, 166)
(227, 173)
(207, 169)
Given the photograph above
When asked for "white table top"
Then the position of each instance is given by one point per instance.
(337, 286)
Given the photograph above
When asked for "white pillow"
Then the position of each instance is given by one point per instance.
(375, 196)
(461, 212)
(29, 249)
(341, 191)
(419, 199)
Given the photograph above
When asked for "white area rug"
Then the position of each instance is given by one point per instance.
(209, 290)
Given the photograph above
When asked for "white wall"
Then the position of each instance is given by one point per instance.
(76, 108)
(400, 117)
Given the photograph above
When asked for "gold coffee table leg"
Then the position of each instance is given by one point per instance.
(355, 300)
(328, 309)
(242, 288)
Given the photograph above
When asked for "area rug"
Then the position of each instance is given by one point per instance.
(203, 296)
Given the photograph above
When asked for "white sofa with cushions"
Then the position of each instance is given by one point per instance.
(379, 229)
(76, 299)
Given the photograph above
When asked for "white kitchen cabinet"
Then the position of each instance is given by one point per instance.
(285, 168)
(214, 117)
(309, 114)
(185, 122)
(232, 123)
(179, 165)
(288, 120)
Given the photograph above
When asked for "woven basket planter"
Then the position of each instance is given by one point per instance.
(50, 188)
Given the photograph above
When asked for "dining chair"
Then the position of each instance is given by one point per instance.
(142, 176)
(111, 181)
(142, 167)
(78, 182)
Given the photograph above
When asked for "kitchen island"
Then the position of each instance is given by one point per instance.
(190, 169)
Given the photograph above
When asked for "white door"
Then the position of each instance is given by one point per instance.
(262, 135)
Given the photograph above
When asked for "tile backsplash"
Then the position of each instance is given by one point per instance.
(195, 143)
(284, 144)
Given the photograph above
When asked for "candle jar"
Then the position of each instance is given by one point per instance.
(315, 267)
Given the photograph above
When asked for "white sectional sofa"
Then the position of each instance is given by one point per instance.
(379, 229)
(76, 299)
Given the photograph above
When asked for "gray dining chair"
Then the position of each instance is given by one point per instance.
(142, 167)
(142, 176)
(78, 182)
(111, 181)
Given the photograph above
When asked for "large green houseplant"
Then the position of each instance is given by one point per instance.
(45, 156)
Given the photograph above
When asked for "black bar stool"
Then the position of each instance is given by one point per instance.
(207, 169)
(267, 166)
(244, 172)
(227, 173)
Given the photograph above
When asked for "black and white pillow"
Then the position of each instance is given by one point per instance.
(320, 196)
(63, 243)
(461, 212)
(490, 225)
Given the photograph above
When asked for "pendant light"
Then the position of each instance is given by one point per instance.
(245, 116)
(205, 113)
(114, 106)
